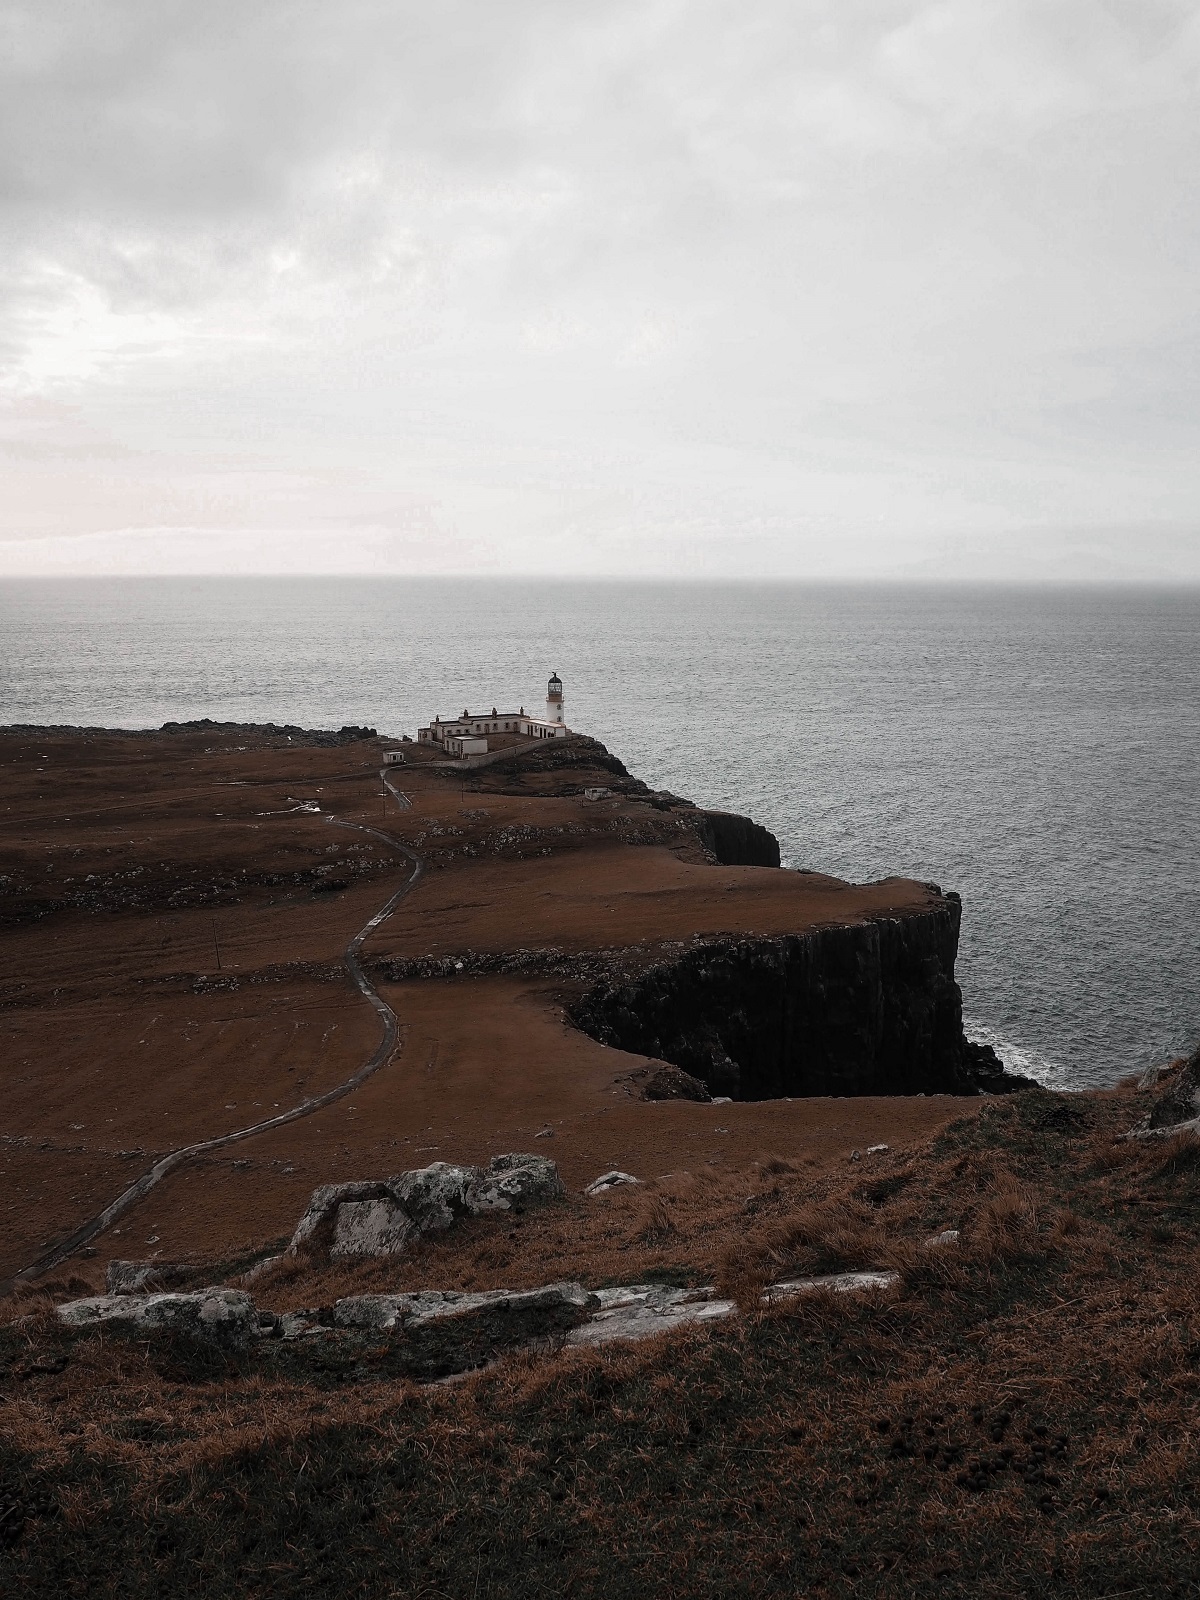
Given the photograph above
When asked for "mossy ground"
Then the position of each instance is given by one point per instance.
(1018, 1417)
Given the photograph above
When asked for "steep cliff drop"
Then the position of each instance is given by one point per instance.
(869, 1008)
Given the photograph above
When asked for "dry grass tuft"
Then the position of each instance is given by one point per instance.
(1008, 1225)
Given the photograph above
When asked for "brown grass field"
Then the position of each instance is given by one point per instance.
(1016, 1417)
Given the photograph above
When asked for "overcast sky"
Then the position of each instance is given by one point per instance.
(687, 287)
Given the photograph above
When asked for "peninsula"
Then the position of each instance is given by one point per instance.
(337, 1067)
(177, 908)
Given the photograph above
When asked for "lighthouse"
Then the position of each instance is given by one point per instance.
(468, 735)
(554, 699)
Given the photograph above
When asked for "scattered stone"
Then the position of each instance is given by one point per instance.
(939, 1240)
(546, 1133)
(673, 1083)
(878, 1149)
(722, 1100)
(297, 1324)
(259, 1267)
(226, 1315)
(610, 1180)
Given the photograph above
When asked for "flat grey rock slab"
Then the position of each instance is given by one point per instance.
(411, 1310)
(436, 1332)
(1172, 1130)
(644, 1309)
(215, 1313)
(838, 1282)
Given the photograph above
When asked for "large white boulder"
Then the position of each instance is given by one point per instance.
(434, 1196)
(513, 1181)
(371, 1228)
(315, 1228)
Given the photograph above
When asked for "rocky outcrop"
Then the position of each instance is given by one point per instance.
(987, 1072)
(571, 756)
(382, 1216)
(433, 1333)
(224, 1316)
(867, 1008)
(1176, 1110)
(737, 841)
(672, 1083)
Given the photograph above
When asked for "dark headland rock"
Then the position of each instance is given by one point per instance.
(865, 1008)
(736, 841)
(672, 1083)
(351, 733)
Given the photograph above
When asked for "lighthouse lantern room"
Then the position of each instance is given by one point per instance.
(554, 699)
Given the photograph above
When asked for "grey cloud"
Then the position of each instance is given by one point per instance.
(813, 281)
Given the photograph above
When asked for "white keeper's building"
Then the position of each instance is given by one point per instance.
(468, 735)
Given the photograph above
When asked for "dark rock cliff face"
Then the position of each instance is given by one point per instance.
(350, 734)
(872, 1008)
(736, 841)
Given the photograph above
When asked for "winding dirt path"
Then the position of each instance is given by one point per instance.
(89, 1230)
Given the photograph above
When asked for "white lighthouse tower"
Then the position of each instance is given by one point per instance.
(554, 699)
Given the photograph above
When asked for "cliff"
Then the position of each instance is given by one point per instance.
(736, 841)
(869, 1008)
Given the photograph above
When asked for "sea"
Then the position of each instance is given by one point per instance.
(1035, 749)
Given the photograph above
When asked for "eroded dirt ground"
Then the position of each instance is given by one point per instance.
(173, 925)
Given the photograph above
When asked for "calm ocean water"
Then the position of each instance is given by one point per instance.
(1037, 750)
